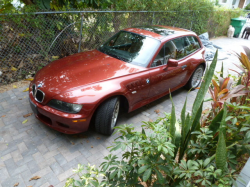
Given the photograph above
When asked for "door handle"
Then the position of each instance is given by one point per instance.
(183, 67)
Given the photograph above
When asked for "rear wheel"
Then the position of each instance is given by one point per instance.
(106, 116)
(196, 78)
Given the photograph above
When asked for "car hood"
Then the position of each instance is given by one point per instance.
(81, 69)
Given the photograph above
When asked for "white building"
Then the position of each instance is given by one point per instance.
(234, 3)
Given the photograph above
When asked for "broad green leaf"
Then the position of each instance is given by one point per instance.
(193, 128)
(239, 81)
(221, 152)
(198, 102)
(142, 169)
(95, 183)
(119, 173)
(172, 121)
(183, 114)
(209, 99)
(143, 133)
(223, 120)
(184, 131)
(159, 176)
(244, 128)
(113, 174)
(206, 162)
(45, 4)
(197, 118)
(183, 164)
(140, 162)
(198, 181)
(147, 174)
(186, 127)
(78, 183)
(234, 121)
(177, 138)
(204, 87)
(164, 168)
(183, 123)
(221, 74)
(215, 124)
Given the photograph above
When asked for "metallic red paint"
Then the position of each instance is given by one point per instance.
(89, 78)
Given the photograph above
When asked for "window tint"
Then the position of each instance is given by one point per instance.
(181, 44)
(123, 38)
(194, 45)
(167, 51)
(131, 48)
(159, 60)
(176, 49)
(186, 46)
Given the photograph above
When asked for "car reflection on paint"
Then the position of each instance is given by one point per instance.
(133, 68)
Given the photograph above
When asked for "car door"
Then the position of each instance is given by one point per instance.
(182, 56)
(186, 48)
(138, 88)
(163, 77)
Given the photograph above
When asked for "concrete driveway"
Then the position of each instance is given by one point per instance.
(32, 149)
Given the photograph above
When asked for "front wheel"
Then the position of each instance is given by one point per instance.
(106, 116)
(196, 78)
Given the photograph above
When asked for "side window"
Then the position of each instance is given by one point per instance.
(159, 59)
(167, 51)
(181, 45)
(170, 50)
(194, 44)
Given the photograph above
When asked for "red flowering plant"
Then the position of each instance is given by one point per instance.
(230, 103)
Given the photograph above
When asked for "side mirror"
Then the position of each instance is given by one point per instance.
(172, 63)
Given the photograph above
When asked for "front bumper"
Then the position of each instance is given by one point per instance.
(58, 120)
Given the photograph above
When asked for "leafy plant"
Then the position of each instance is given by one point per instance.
(223, 91)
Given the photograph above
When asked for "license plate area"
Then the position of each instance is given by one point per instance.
(33, 107)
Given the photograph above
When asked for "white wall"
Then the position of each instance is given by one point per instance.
(236, 3)
(229, 3)
(246, 3)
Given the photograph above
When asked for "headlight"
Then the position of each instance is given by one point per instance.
(65, 107)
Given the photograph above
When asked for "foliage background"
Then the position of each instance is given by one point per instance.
(35, 33)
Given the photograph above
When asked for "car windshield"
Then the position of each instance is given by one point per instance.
(131, 48)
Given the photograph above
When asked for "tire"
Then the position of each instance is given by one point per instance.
(196, 78)
(106, 116)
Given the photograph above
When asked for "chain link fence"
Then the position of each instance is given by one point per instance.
(30, 41)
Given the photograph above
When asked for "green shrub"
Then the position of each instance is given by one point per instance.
(220, 19)
(247, 7)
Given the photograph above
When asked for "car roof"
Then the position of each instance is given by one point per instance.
(159, 31)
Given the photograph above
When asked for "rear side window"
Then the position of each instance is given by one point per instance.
(181, 45)
(194, 45)
(186, 46)
(167, 51)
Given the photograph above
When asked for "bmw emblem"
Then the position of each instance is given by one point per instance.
(39, 85)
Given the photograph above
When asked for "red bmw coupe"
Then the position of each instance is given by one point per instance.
(133, 68)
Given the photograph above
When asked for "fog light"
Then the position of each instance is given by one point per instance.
(79, 120)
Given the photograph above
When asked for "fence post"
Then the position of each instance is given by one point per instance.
(153, 18)
(79, 47)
